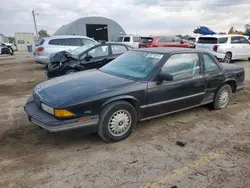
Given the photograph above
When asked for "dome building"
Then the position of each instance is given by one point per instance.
(98, 28)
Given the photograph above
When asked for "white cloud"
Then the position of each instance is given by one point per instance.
(156, 17)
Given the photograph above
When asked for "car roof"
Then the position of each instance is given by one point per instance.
(220, 36)
(167, 50)
(66, 36)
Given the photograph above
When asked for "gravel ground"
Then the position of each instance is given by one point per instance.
(216, 154)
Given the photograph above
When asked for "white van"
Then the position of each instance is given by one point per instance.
(132, 40)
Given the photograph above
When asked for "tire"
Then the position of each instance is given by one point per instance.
(71, 71)
(249, 59)
(119, 109)
(222, 97)
(11, 51)
(228, 57)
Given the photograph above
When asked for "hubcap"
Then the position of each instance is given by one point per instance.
(119, 123)
(224, 98)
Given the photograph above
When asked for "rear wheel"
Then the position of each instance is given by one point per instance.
(117, 121)
(222, 97)
(228, 57)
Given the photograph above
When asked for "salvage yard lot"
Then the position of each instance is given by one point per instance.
(217, 153)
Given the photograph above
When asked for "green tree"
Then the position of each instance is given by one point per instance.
(43, 33)
(11, 39)
(180, 36)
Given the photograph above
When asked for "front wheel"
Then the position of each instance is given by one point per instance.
(222, 97)
(11, 51)
(117, 121)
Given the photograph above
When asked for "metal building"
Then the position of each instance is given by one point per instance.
(23, 40)
(98, 28)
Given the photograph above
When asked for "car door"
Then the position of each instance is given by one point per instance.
(169, 42)
(186, 90)
(178, 42)
(245, 47)
(117, 50)
(213, 74)
(97, 57)
(236, 47)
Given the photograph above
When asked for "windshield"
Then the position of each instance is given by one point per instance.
(80, 50)
(145, 40)
(133, 64)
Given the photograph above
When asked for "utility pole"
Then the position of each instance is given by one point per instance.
(34, 18)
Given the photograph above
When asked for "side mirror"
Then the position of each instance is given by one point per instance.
(88, 57)
(163, 76)
(181, 41)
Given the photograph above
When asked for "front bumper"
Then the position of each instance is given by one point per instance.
(240, 87)
(59, 71)
(52, 124)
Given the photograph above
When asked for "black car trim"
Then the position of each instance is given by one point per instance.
(160, 115)
(173, 100)
(65, 127)
(240, 87)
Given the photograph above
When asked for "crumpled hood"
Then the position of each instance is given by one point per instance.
(58, 57)
(60, 91)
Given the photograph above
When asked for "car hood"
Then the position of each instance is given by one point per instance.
(230, 67)
(61, 56)
(61, 91)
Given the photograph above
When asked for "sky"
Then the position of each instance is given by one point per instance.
(143, 17)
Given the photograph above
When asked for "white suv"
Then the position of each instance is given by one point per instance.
(132, 40)
(48, 45)
(225, 47)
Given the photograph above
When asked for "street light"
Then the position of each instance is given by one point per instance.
(34, 18)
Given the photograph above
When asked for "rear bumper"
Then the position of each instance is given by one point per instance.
(52, 124)
(41, 59)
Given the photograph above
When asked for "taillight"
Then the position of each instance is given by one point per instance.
(40, 49)
(215, 48)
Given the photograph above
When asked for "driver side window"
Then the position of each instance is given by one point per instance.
(182, 66)
(99, 51)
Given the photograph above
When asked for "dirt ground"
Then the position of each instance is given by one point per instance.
(217, 153)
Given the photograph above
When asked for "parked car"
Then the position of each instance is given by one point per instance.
(48, 45)
(90, 56)
(139, 85)
(132, 40)
(225, 47)
(163, 41)
(6, 48)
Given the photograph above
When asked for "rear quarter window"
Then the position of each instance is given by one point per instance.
(207, 40)
(126, 39)
(223, 40)
(59, 42)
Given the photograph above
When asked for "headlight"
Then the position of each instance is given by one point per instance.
(47, 108)
(57, 112)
